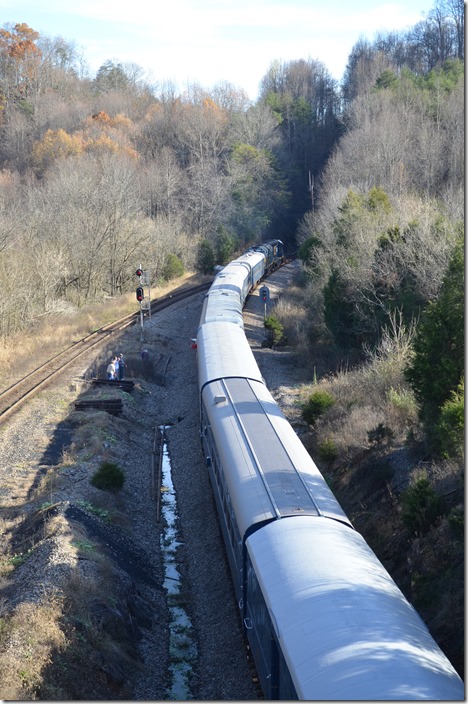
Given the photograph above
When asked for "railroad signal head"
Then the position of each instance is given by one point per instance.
(139, 272)
(140, 294)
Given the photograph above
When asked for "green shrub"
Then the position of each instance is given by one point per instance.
(205, 257)
(173, 268)
(421, 506)
(225, 245)
(276, 329)
(339, 311)
(109, 477)
(318, 403)
(310, 254)
(403, 401)
(451, 426)
(439, 352)
(328, 450)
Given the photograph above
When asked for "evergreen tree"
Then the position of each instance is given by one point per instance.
(438, 363)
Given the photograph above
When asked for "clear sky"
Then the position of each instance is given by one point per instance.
(206, 41)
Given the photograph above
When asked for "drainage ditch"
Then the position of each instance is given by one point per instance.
(183, 650)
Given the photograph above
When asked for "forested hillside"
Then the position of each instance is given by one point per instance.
(99, 174)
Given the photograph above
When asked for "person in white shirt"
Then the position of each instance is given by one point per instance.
(111, 369)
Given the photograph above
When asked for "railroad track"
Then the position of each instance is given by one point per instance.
(23, 389)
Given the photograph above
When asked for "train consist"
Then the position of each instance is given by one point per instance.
(324, 619)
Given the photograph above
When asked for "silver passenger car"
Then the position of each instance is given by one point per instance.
(343, 629)
(241, 274)
(259, 468)
(226, 297)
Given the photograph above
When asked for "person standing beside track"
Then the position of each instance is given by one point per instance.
(111, 370)
(121, 362)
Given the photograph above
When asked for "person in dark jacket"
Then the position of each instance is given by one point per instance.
(121, 366)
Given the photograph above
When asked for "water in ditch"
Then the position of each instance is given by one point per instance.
(183, 650)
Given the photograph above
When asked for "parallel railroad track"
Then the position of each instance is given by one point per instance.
(16, 394)
(23, 389)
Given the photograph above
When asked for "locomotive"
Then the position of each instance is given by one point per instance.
(323, 618)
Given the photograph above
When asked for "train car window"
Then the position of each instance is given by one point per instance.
(231, 529)
(215, 463)
(236, 543)
(223, 483)
(261, 636)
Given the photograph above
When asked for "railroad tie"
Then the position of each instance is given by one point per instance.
(110, 405)
(124, 384)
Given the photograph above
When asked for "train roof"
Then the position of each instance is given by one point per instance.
(238, 267)
(222, 305)
(318, 576)
(237, 277)
(268, 471)
(250, 257)
(224, 351)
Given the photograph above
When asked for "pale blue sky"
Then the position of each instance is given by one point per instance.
(206, 41)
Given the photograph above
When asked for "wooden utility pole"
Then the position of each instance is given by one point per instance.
(311, 190)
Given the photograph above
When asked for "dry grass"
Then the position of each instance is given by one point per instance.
(29, 637)
(350, 431)
(95, 434)
(26, 350)
(369, 395)
(292, 315)
(52, 644)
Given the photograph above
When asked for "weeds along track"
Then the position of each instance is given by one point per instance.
(22, 390)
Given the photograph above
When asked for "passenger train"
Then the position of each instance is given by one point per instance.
(323, 618)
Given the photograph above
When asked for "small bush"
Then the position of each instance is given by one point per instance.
(173, 268)
(404, 404)
(276, 328)
(328, 450)
(421, 506)
(318, 403)
(109, 477)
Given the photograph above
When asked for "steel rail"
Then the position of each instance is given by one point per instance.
(12, 397)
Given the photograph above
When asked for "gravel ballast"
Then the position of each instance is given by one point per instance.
(166, 393)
